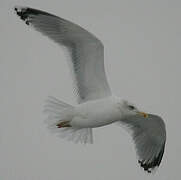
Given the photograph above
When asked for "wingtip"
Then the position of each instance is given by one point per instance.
(150, 166)
(19, 8)
(21, 12)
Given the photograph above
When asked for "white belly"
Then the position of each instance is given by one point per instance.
(96, 113)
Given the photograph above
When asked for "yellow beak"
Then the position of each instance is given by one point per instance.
(143, 114)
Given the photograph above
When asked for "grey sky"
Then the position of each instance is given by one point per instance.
(142, 59)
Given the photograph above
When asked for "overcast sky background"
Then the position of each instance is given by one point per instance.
(143, 63)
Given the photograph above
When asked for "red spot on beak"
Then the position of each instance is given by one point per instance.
(59, 126)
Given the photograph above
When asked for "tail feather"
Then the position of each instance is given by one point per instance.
(55, 105)
(58, 112)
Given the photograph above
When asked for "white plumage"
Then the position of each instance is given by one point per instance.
(96, 104)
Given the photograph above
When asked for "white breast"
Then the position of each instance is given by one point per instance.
(96, 113)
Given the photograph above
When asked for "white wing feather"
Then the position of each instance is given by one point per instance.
(85, 50)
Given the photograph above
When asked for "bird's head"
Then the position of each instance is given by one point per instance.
(128, 109)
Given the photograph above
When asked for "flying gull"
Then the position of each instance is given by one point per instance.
(97, 106)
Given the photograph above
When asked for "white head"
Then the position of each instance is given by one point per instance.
(128, 109)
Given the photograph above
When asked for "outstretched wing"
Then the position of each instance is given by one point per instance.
(149, 136)
(85, 50)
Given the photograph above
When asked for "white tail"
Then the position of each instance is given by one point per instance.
(59, 111)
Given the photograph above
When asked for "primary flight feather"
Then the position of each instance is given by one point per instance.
(96, 105)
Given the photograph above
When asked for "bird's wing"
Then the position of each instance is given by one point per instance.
(149, 136)
(85, 50)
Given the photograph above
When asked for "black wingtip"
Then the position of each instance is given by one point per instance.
(155, 163)
(25, 13)
(22, 13)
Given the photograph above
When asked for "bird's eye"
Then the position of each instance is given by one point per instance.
(131, 107)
